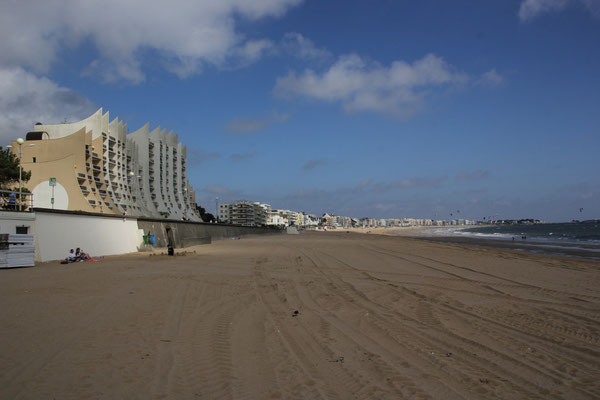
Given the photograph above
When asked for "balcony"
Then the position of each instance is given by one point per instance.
(92, 202)
(81, 176)
(84, 189)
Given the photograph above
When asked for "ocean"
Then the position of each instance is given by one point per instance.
(567, 239)
(577, 233)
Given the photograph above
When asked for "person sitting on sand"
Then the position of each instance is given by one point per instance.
(71, 256)
(81, 256)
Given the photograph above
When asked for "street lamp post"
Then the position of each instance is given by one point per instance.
(217, 209)
(133, 177)
(20, 142)
(185, 201)
(131, 183)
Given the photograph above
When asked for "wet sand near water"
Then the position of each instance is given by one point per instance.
(583, 250)
(310, 316)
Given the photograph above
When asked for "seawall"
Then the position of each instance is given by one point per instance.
(57, 231)
(185, 233)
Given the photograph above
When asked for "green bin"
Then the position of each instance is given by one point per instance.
(145, 239)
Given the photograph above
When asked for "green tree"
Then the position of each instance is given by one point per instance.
(206, 217)
(9, 169)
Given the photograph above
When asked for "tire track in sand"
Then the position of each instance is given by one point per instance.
(165, 357)
(440, 340)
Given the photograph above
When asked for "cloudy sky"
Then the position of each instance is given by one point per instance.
(383, 108)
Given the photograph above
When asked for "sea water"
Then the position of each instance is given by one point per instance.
(543, 238)
(559, 233)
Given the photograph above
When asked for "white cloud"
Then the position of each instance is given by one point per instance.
(299, 46)
(186, 33)
(491, 78)
(530, 9)
(250, 52)
(26, 99)
(360, 85)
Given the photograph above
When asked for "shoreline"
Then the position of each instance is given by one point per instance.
(566, 250)
(563, 249)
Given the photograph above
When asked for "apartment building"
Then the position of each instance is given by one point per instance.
(243, 212)
(94, 165)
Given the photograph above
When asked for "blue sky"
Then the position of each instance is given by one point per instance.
(381, 109)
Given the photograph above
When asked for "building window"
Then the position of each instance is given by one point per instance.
(22, 230)
(33, 159)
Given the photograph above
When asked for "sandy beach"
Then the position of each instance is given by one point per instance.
(310, 316)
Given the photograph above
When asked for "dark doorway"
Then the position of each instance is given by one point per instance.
(170, 237)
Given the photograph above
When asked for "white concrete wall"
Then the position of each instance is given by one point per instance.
(97, 236)
(9, 220)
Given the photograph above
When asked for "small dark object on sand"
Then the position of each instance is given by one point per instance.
(448, 354)
(295, 313)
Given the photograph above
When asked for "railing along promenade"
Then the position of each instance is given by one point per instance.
(12, 200)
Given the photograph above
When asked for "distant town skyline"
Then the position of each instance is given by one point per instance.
(384, 109)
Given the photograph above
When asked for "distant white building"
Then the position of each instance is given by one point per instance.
(275, 219)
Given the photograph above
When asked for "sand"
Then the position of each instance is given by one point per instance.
(378, 317)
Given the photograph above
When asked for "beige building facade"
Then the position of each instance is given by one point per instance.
(93, 165)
